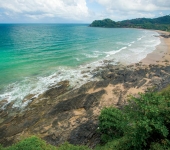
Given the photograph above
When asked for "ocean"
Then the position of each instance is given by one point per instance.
(35, 57)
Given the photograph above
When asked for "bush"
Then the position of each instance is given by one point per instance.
(144, 121)
(111, 124)
(67, 146)
(32, 143)
(35, 143)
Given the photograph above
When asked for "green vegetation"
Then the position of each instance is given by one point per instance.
(32, 143)
(161, 23)
(35, 143)
(144, 123)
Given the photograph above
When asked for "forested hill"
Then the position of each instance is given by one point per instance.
(161, 23)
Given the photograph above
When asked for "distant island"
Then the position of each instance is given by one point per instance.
(161, 23)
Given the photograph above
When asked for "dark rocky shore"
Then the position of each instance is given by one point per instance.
(65, 114)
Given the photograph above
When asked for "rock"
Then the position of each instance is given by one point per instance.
(85, 87)
(156, 81)
(167, 69)
(165, 36)
(83, 134)
(81, 101)
(95, 70)
(60, 89)
(85, 76)
(65, 114)
(85, 71)
(28, 97)
(131, 66)
(21, 125)
(110, 75)
(3, 131)
(118, 79)
(3, 102)
(120, 99)
(70, 104)
(105, 61)
(3, 113)
(112, 70)
(102, 84)
(9, 106)
(93, 99)
(141, 83)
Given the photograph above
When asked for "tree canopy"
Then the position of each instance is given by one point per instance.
(161, 23)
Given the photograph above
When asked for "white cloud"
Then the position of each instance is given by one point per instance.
(161, 14)
(136, 5)
(78, 11)
(128, 9)
(72, 9)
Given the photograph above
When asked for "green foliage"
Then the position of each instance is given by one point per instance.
(67, 146)
(104, 23)
(161, 23)
(116, 144)
(139, 125)
(32, 143)
(165, 145)
(110, 123)
(35, 143)
(1, 147)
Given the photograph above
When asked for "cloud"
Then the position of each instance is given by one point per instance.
(80, 10)
(128, 9)
(136, 5)
(69, 9)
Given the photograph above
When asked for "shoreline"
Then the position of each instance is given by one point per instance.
(158, 56)
(161, 55)
(62, 114)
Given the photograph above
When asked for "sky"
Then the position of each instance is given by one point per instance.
(79, 11)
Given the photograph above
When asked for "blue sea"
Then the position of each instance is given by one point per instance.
(35, 57)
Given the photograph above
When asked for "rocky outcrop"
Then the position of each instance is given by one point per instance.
(65, 114)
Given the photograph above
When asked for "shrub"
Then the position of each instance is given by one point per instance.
(111, 124)
(35, 143)
(143, 121)
(67, 146)
(32, 143)
(1, 147)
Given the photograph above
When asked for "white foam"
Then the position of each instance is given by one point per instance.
(135, 49)
(139, 39)
(77, 59)
(114, 51)
(94, 55)
(36, 86)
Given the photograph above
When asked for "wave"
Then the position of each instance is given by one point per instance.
(77, 59)
(137, 49)
(95, 54)
(114, 52)
(35, 86)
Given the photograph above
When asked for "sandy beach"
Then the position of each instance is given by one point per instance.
(161, 55)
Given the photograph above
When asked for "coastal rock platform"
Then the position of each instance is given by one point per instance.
(66, 114)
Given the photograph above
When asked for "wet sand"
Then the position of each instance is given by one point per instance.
(161, 55)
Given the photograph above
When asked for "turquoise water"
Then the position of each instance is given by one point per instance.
(33, 57)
